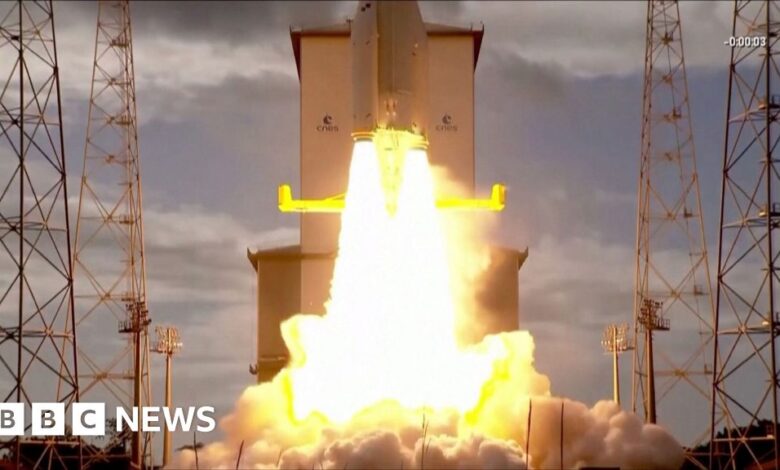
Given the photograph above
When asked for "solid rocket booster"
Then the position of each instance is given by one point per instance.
(389, 67)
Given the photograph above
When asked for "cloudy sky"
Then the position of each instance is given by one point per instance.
(558, 90)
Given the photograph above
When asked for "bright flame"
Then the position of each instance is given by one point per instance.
(385, 355)
(389, 332)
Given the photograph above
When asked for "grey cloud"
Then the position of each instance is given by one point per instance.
(541, 82)
(194, 254)
(587, 303)
(442, 11)
(231, 21)
(218, 103)
(235, 21)
(243, 132)
(595, 38)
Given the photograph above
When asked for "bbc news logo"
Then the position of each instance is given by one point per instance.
(89, 419)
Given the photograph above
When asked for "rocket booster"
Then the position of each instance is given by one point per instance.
(389, 68)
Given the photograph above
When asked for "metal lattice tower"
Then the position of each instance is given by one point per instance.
(38, 345)
(109, 251)
(746, 375)
(671, 257)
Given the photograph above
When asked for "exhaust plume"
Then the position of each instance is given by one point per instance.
(381, 381)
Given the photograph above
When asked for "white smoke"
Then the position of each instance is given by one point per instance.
(387, 435)
(380, 433)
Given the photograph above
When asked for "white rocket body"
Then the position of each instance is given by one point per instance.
(389, 67)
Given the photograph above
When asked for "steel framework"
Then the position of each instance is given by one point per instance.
(38, 344)
(671, 256)
(745, 383)
(109, 250)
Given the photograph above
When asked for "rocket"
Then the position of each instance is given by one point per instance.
(390, 104)
(390, 68)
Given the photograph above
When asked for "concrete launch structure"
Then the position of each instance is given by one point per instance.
(384, 69)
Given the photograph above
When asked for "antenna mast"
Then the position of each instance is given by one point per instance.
(109, 250)
(672, 276)
(38, 344)
(746, 374)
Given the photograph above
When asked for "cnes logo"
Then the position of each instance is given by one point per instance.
(327, 124)
(447, 124)
(89, 419)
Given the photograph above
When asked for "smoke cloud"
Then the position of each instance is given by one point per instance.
(378, 382)
(492, 436)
